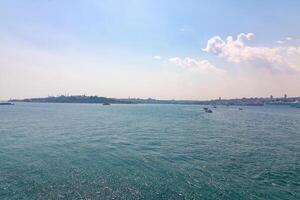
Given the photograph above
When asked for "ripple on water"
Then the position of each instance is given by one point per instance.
(83, 151)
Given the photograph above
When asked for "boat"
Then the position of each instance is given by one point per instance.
(207, 110)
(106, 104)
(6, 104)
(240, 108)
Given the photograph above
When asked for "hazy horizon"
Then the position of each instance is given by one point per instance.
(148, 97)
(189, 50)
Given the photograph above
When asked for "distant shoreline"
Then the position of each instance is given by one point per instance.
(105, 100)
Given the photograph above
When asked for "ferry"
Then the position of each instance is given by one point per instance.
(6, 104)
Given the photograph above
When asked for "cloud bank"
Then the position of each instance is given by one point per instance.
(196, 65)
(239, 51)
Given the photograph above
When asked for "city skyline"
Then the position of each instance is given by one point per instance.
(189, 50)
(271, 97)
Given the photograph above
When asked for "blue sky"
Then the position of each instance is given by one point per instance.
(127, 48)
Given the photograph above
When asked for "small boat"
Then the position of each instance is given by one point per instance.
(106, 104)
(208, 111)
(6, 104)
(240, 108)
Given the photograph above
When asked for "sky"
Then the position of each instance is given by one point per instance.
(150, 48)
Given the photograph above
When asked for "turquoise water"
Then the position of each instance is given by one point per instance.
(90, 151)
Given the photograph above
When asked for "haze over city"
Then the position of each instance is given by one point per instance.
(159, 49)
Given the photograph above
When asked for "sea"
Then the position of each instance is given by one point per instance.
(91, 151)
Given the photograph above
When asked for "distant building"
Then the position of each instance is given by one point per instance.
(285, 96)
(219, 98)
(271, 97)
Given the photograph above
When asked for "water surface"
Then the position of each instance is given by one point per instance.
(90, 151)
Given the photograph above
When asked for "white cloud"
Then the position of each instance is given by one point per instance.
(216, 44)
(157, 57)
(203, 66)
(289, 38)
(239, 52)
(280, 42)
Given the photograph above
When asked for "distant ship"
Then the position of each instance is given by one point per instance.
(295, 104)
(5, 103)
(106, 104)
